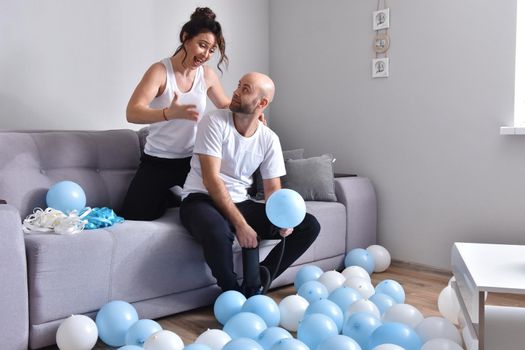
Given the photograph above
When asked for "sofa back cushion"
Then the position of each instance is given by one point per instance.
(101, 162)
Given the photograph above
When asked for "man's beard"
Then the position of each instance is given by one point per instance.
(243, 108)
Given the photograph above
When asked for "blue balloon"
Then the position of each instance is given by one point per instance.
(395, 333)
(305, 274)
(66, 196)
(228, 304)
(285, 208)
(315, 328)
(195, 346)
(360, 326)
(339, 342)
(272, 335)
(360, 257)
(382, 301)
(265, 307)
(344, 297)
(242, 344)
(245, 325)
(114, 320)
(290, 344)
(132, 347)
(392, 288)
(140, 331)
(328, 308)
(313, 291)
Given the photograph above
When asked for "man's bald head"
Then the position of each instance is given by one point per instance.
(262, 82)
(253, 94)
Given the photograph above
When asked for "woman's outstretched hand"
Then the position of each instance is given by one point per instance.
(179, 111)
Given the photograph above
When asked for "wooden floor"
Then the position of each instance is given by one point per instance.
(422, 287)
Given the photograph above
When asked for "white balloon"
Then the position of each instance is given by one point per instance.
(388, 347)
(448, 304)
(403, 313)
(214, 338)
(163, 340)
(363, 305)
(292, 310)
(355, 271)
(331, 280)
(441, 344)
(362, 285)
(438, 327)
(77, 332)
(381, 257)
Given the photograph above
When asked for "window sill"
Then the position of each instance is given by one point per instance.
(512, 130)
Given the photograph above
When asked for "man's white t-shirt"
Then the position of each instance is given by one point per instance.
(240, 156)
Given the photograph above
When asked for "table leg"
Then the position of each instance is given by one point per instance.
(473, 328)
(481, 319)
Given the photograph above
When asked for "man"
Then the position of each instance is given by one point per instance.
(230, 145)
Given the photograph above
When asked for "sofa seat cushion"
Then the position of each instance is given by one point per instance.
(330, 242)
(156, 258)
(140, 260)
(67, 274)
(132, 261)
(331, 239)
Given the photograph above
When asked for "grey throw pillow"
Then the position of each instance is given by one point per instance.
(288, 154)
(312, 178)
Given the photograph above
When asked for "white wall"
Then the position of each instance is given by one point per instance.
(67, 64)
(428, 136)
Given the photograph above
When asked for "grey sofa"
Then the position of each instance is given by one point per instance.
(156, 265)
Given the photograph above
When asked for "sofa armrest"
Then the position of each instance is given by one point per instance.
(358, 196)
(14, 315)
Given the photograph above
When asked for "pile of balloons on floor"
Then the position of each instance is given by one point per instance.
(331, 311)
(66, 212)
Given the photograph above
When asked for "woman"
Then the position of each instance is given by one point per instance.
(171, 97)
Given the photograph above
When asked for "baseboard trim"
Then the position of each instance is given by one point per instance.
(421, 267)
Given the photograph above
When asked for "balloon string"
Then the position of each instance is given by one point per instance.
(53, 220)
(102, 217)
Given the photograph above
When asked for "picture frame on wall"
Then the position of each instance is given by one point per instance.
(380, 67)
(381, 19)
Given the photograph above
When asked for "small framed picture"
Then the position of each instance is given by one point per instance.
(380, 67)
(381, 43)
(381, 19)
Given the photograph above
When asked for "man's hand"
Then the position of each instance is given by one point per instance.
(178, 111)
(285, 231)
(246, 236)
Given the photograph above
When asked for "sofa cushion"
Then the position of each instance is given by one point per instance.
(68, 274)
(332, 218)
(155, 258)
(30, 162)
(132, 261)
(312, 178)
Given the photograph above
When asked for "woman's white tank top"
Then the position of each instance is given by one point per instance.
(175, 138)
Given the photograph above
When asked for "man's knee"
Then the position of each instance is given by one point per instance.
(310, 226)
(209, 231)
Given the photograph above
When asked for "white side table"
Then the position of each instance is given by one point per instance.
(495, 268)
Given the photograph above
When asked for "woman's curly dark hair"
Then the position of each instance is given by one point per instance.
(203, 21)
